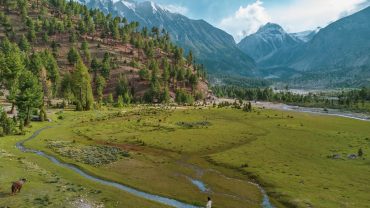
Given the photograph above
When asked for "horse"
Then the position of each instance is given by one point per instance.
(17, 186)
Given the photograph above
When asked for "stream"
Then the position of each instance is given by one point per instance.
(160, 199)
(152, 197)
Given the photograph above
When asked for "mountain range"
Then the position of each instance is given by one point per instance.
(211, 46)
(268, 40)
(341, 47)
(337, 55)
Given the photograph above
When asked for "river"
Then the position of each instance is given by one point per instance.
(319, 111)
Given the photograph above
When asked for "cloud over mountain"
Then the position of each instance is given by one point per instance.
(246, 20)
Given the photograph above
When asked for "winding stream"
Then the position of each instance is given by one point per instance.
(160, 199)
(152, 197)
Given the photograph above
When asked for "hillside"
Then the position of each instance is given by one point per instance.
(143, 65)
(211, 46)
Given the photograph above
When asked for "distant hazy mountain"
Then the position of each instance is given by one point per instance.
(211, 46)
(343, 44)
(338, 55)
(268, 40)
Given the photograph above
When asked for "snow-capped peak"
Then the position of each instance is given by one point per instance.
(154, 6)
(129, 4)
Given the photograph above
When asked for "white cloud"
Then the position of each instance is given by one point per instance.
(300, 15)
(309, 14)
(175, 8)
(246, 20)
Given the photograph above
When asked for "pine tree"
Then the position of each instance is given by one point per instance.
(189, 58)
(82, 87)
(24, 45)
(106, 66)
(52, 69)
(29, 97)
(11, 67)
(31, 34)
(166, 71)
(66, 87)
(7, 125)
(100, 85)
(86, 51)
(119, 103)
(110, 99)
(35, 64)
(165, 98)
(73, 56)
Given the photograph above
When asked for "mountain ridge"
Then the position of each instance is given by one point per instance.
(269, 39)
(211, 46)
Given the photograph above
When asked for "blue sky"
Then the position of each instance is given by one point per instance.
(214, 10)
(243, 17)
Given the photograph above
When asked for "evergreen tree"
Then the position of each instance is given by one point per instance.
(31, 34)
(29, 97)
(110, 99)
(166, 71)
(127, 98)
(189, 58)
(51, 66)
(193, 80)
(24, 45)
(73, 56)
(35, 64)
(144, 74)
(165, 98)
(11, 67)
(7, 125)
(66, 88)
(123, 89)
(82, 87)
(106, 66)
(86, 51)
(119, 103)
(100, 85)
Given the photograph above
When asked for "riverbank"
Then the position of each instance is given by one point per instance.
(320, 111)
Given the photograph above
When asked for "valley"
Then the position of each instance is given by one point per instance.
(136, 104)
(223, 148)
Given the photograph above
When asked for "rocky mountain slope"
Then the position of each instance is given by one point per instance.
(210, 45)
(130, 62)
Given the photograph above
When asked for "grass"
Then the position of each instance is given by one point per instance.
(50, 185)
(290, 154)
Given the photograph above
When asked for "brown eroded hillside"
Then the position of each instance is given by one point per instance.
(141, 61)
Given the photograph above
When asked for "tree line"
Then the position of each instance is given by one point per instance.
(355, 99)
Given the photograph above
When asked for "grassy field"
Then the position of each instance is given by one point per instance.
(160, 150)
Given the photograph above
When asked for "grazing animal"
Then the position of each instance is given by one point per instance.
(17, 186)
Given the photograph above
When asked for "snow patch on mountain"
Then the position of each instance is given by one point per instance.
(129, 4)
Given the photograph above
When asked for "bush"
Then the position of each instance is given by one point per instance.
(91, 155)
(134, 64)
(193, 124)
(182, 97)
(144, 74)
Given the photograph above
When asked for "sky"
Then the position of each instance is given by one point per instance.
(243, 17)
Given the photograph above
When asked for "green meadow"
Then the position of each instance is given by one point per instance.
(301, 160)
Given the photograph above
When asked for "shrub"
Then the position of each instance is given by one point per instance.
(182, 97)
